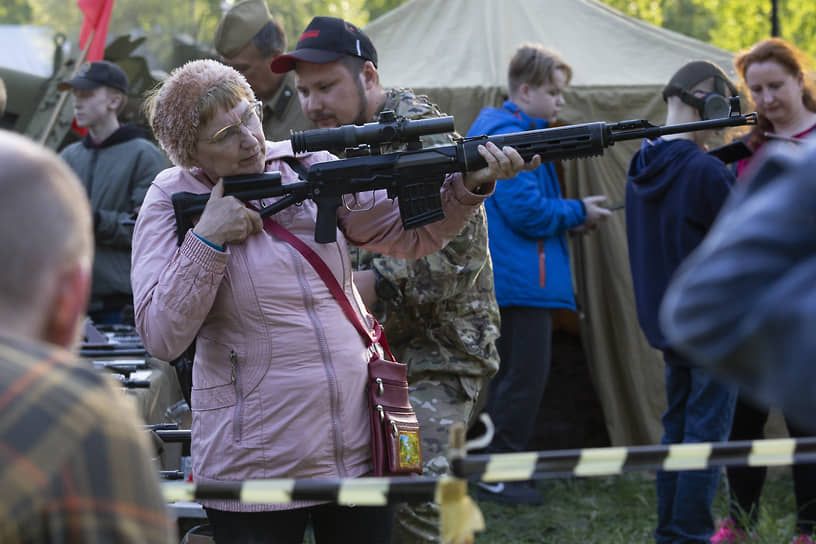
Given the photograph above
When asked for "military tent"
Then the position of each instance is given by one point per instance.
(457, 51)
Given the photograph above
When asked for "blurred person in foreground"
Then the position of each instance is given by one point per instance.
(782, 87)
(439, 311)
(280, 372)
(248, 38)
(74, 465)
(674, 191)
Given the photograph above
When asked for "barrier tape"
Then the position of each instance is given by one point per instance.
(505, 467)
(348, 491)
(613, 461)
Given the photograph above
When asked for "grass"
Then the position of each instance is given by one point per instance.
(618, 510)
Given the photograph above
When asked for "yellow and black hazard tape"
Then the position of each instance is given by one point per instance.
(505, 467)
(359, 491)
(610, 461)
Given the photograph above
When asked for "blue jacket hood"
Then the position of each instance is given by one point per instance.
(497, 121)
(527, 218)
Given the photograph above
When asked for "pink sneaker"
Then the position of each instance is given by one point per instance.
(727, 533)
(803, 539)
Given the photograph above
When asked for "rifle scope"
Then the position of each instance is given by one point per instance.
(388, 129)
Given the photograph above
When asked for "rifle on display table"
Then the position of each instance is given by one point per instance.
(415, 176)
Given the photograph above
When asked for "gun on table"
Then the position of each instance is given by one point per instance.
(415, 176)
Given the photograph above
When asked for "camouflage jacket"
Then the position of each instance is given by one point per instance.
(442, 315)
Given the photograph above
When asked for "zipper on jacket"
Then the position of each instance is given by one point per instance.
(92, 171)
(542, 265)
(239, 405)
(328, 366)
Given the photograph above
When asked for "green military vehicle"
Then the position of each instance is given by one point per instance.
(37, 109)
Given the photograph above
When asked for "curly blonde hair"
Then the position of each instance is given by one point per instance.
(190, 98)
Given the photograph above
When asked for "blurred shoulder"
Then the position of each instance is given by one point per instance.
(407, 104)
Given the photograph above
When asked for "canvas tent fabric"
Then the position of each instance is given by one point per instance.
(457, 51)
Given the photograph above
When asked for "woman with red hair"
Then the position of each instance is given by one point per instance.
(783, 90)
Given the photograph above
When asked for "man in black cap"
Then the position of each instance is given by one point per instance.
(116, 163)
(674, 191)
(440, 312)
(336, 75)
(248, 38)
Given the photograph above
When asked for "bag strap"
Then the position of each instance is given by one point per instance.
(276, 229)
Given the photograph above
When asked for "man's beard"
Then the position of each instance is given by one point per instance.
(362, 105)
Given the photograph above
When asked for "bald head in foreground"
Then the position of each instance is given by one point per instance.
(74, 465)
(46, 230)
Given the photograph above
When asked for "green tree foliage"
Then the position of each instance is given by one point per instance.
(165, 22)
(295, 15)
(162, 22)
(380, 7)
(731, 24)
(15, 12)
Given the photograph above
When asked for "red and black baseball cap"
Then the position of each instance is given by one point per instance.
(95, 74)
(326, 39)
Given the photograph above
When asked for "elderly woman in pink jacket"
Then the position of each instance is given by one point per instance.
(279, 375)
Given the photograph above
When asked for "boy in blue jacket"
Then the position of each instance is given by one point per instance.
(674, 191)
(527, 220)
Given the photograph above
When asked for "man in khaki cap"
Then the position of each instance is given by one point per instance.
(248, 38)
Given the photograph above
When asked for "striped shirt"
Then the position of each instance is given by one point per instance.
(74, 465)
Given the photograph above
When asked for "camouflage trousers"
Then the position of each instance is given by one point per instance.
(439, 400)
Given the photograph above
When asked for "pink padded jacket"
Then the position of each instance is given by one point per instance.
(279, 375)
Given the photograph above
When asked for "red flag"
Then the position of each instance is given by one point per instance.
(97, 18)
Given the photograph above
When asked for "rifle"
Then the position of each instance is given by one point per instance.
(415, 176)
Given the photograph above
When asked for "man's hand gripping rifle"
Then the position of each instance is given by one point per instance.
(415, 176)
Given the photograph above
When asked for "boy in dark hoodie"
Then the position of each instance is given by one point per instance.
(116, 163)
(674, 191)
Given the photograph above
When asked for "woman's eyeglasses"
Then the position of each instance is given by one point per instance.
(251, 119)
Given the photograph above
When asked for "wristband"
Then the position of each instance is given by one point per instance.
(211, 244)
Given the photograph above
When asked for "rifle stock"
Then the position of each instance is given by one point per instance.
(245, 187)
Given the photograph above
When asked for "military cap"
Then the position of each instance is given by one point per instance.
(326, 39)
(239, 25)
(95, 74)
